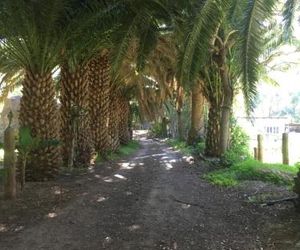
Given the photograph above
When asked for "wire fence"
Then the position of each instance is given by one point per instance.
(272, 147)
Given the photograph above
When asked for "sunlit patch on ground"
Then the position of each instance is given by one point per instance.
(91, 169)
(149, 156)
(52, 215)
(18, 228)
(107, 240)
(58, 190)
(134, 228)
(101, 199)
(188, 159)
(119, 176)
(185, 206)
(108, 179)
(168, 166)
(127, 165)
(3, 228)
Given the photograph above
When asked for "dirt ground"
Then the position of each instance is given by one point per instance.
(155, 199)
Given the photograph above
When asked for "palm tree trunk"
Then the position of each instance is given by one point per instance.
(213, 132)
(124, 108)
(179, 107)
(196, 114)
(74, 109)
(180, 125)
(113, 124)
(100, 100)
(226, 104)
(39, 112)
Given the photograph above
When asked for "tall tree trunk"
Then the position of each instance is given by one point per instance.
(226, 104)
(113, 124)
(99, 101)
(75, 109)
(164, 127)
(179, 107)
(39, 112)
(196, 114)
(180, 125)
(213, 132)
(124, 130)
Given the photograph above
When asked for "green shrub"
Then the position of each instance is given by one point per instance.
(160, 128)
(124, 150)
(254, 170)
(128, 149)
(200, 148)
(186, 149)
(181, 146)
(239, 146)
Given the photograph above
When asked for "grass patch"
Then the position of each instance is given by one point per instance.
(250, 169)
(186, 149)
(124, 150)
(180, 146)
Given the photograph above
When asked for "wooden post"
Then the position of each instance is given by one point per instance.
(285, 148)
(255, 153)
(10, 185)
(260, 149)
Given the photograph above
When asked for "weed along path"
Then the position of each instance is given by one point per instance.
(154, 199)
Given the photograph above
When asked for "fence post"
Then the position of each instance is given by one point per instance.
(260, 154)
(285, 148)
(10, 185)
(255, 153)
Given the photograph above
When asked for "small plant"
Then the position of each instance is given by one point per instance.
(26, 145)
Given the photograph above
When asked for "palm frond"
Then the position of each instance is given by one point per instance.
(199, 37)
(30, 32)
(252, 31)
(140, 24)
(289, 14)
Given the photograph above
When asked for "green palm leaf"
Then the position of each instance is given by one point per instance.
(205, 25)
(252, 44)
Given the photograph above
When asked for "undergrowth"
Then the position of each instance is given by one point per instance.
(2, 173)
(186, 149)
(124, 150)
(251, 169)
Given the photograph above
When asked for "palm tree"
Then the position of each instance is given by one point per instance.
(100, 84)
(80, 76)
(216, 26)
(31, 41)
(74, 95)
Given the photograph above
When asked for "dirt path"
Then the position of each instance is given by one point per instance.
(154, 200)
